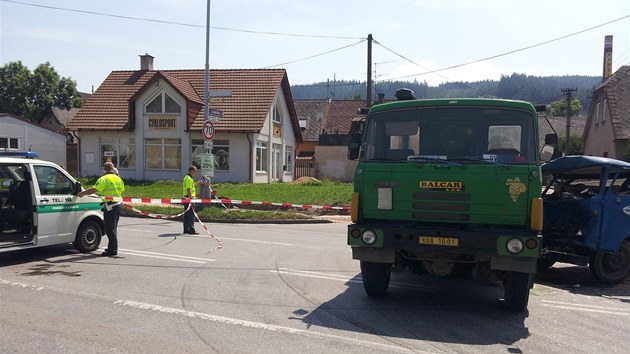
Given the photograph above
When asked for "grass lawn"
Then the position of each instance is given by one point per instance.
(314, 193)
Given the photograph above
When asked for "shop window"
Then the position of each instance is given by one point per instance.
(261, 157)
(163, 154)
(220, 150)
(120, 151)
(163, 103)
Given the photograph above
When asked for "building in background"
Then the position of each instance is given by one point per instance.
(148, 122)
(19, 134)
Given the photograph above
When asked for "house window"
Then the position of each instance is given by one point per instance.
(604, 110)
(261, 157)
(288, 158)
(277, 113)
(597, 113)
(220, 150)
(9, 143)
(120, 151)
(164, 154)
(163, 103)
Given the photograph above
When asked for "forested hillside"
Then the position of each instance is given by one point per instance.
(536, 89)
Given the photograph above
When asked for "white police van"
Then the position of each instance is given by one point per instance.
(39, 207)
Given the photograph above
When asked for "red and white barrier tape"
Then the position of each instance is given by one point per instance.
(224, 201)
(220, 243)
(162, 216)
(156, 216)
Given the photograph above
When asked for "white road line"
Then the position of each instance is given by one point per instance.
(20, 285)
(586, 308)
(167, 255)
(256, 241)
(317, 275)
(170, 257)
(260, 325)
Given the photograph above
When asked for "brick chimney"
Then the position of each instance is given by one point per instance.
(146, 62)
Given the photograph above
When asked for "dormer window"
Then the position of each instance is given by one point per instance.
(163, 103)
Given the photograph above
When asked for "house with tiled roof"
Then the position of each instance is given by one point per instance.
(607, 131)
(327, 125)
(149, 123)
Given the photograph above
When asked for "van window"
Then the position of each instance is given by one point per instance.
(52, 181)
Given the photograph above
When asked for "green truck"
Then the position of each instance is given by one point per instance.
(448, 187)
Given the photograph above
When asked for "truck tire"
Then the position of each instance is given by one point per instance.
(375, 277)
(88, 237)
(517, 286)
(612, 268)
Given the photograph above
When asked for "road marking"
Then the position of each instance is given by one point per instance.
(260, 325)
(344, 278)
(258, 241)
(167, 256)
(586, 308)
(20, 285)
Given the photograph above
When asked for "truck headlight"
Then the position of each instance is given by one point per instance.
(369, 237)
(515, 245)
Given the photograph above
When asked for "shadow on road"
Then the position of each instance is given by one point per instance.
(424, 308)
(580, 280)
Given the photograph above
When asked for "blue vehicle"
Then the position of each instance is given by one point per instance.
(586, 205)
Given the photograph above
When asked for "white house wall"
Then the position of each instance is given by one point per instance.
(49, 145)
(287, 139)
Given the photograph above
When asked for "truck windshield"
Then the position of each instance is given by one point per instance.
(467, 134)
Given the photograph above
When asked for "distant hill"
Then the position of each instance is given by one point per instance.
(536, 89)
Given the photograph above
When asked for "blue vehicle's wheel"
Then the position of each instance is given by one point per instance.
(611, 267)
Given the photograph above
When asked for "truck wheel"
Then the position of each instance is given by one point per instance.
(375, 277)
(517, 288)
(88, 237)
(612, 268)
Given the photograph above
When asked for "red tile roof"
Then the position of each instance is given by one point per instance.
(253, 90)
(340, 116)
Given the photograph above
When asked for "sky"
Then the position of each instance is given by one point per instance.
(319, 40)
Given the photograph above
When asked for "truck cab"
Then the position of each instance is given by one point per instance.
(39, 207)
(448, 187)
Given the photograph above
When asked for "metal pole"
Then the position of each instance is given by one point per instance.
(369, 71)
(204, 189)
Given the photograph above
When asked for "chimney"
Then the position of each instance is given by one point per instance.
(608, 42)
(146, 62)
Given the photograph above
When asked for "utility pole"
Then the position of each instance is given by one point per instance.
(369, 70)
(568, 92)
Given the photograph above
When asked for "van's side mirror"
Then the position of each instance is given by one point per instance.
(77, 188)
(551, 139)
(354, 145)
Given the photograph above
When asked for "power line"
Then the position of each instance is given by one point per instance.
(446, 78)
(316, 55)
(96, 13)
(515, 50)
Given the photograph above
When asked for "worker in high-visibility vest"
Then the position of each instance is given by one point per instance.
(109, 185)
(189, 192)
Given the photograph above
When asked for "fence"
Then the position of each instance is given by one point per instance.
(305, 168)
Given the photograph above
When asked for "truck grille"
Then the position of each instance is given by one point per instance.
(441, 206)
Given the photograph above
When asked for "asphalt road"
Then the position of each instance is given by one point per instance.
(282, 289)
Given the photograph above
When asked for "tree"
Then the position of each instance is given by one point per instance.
(30, 95)
(575, 145)
(559, 108)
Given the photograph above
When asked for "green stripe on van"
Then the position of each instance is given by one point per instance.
(62, 208)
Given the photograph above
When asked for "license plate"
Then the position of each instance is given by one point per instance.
(439, 241)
